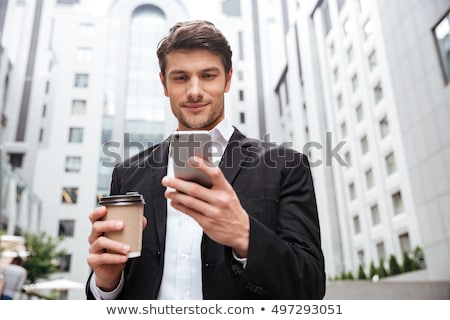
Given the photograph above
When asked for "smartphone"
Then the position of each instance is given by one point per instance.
(185, 144)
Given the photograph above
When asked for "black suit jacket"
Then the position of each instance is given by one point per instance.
(275, 187)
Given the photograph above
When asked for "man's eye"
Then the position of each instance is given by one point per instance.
(179, 78)
(209, 76)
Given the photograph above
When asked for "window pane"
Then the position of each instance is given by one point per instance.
(378, 92)
(69, 195)
(76, 135)
(356, 224)
(73, 164)
(64, 263)
(66, 228)
(442, 36)
(397, 202)
(384, 127)
(369, 179)
(78, 106)
(374, 212)
(81, 80)
(405, 244)
(364, 145)
(372, 60)
(381, 252)
(391, 167)
(359, 113)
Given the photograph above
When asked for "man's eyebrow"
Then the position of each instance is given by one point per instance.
(211, 69)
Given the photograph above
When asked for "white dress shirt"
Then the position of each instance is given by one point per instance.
(182, 274)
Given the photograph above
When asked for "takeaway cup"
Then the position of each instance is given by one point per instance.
(130, 209)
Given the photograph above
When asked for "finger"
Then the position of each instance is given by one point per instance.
(187, 187)
(99, 227)
(103, 244)
(105, 258)
(97, 214)
(191, 202)
(216, 175)
(197, 216)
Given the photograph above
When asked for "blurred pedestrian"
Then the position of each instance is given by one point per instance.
(14, 275)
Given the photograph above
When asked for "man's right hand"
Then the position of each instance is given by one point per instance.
(106, 257)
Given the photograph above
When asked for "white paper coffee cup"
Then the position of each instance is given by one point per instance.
(128, 208)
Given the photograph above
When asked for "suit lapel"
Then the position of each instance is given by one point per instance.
(158, 161)
(234, 156)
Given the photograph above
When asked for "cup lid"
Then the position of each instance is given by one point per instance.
(128, 198)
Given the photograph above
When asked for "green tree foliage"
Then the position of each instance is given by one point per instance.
(394, 267)
(350, 276)
(408, 263)
(419, 258)
(43, 255)
(361, 273)
(381, 269)
(372, 270)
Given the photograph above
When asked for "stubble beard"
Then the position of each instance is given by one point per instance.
(191, 121)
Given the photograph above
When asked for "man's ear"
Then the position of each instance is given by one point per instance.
(163, 82)
(228, 80)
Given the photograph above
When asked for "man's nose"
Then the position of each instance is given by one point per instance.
(194, 91)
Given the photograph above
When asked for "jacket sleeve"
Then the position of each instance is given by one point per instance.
(285, 260)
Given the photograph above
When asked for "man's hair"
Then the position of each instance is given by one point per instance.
(191, 35)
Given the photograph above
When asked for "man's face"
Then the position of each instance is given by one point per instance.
(195, 84)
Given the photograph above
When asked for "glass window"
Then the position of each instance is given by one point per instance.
(378, 92)
(73, 164)
(84, 55)
(364, 145)
(340, 4)
(375, 214)
(369, 179)
(442, 37)
(359, 113)
(343, 129)
(241, 95)
(69, 195)
(66, 228)
(384, 127)
(397, 202)
(391, 166)
(242, 117)
(355, 82)
(75, 135)
(348, 159)
(352, 191)
(405, 243)
(326, 16)
(350, 54)
(339, 101)
(336, 74)
(86, 31)
(356, 224)
(78, 106)
(361, 257)
(145, 108)
(81, 80)
(381, 251)
(372, 60)
(64, 262)
(368, 28)
(41, 134)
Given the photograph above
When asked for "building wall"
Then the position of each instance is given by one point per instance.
(423, 108)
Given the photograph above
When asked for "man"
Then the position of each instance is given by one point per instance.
(253, 235)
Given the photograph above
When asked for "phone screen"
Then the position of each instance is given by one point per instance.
(186, 144)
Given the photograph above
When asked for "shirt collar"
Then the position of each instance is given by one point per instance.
(222, 132)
